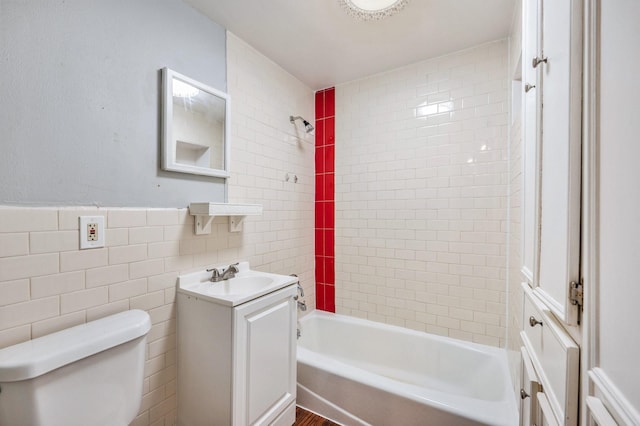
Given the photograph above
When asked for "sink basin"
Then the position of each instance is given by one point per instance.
(247, 285)
(239, 285)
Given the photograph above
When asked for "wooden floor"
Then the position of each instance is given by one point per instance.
(305, 418)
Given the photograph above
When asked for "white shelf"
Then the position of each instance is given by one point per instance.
(206, 212)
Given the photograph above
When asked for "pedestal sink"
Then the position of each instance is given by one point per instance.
(245, 286)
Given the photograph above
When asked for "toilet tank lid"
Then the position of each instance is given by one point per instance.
(35, 357)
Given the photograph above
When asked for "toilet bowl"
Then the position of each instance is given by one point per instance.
(91, 374)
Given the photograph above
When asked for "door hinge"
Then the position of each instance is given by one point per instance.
(575, 293)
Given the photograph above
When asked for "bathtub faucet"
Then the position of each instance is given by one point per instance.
(227, 273)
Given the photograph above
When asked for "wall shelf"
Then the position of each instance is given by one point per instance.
(206, 212)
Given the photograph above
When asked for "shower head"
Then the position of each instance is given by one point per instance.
(307, 126)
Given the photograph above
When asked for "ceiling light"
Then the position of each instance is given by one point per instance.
(367, 10)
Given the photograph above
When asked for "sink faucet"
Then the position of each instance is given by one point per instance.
(229, 272)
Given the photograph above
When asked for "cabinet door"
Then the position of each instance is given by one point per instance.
(529, 388)
(546, 416)
(560, 88)
(264, 358)
(530, 129)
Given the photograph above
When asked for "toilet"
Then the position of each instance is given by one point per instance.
(90, 374)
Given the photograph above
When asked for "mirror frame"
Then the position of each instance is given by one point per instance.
(169, 145)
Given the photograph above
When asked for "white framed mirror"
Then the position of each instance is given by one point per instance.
(195, 126)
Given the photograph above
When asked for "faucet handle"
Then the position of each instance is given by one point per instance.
(215, 274)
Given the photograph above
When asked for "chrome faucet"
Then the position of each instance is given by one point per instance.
(225, 274)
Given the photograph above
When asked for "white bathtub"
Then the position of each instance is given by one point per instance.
(358, 372)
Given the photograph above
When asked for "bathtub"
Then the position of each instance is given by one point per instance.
(359, 372)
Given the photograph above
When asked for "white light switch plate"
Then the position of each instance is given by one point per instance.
(91, 232)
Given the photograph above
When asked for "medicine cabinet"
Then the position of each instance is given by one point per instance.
(195, 126)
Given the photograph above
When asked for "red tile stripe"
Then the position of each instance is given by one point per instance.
(325, 201)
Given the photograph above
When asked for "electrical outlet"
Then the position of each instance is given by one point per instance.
(91, 232)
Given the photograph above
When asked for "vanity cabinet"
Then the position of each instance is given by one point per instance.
(237, 364)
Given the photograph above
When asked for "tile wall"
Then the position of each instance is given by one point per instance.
(421, 195)
(325, 196)
(47, 284)
(272, 162)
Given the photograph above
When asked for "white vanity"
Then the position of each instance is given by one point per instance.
(236, 349)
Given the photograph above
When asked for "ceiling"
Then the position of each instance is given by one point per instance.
(317, 42)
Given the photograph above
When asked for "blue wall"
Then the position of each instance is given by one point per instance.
(80, 100)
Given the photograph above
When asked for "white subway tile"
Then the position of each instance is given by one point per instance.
(178, 263)
(51, 285)
(159, 217)
(116, 237)
(127, 254)
(146, 234)
(163, 281)
(14, 244)
(102, 311)
(14, 292)
(12, 268)
(127, 218)
(52, 325)
(127, 289)
(146, 268)
(13, 336)
(161, 329)
(106, 275)
(81, 260)
(83, 299)
(28, 219)
(161, 346)
(29, 312)
(53, 241)
(148, 301)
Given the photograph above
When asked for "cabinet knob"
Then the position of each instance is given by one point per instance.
(528, 87)
(523, 394)
(533, 321)
(537, 61)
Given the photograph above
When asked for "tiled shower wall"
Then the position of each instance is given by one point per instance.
(421, 195)
(272, 163)
(47, 284)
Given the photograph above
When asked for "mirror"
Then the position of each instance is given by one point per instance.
(195, 133)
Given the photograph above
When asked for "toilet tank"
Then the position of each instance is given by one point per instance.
(91, 374)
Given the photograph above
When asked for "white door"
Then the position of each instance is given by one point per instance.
(560, 87)
(612, 212)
